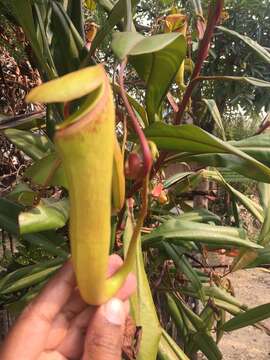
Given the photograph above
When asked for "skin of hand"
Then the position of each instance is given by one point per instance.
(59, 325)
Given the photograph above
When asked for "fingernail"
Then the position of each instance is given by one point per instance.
(114, 311)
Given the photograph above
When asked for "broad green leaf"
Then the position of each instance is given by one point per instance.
(22, 194)
(250, 317)
(148, 58)
(260, 50)
(34, 145)
(177, 231)
(142, 305)
(48, 214)
(193, 140)
(124, 42)
(9, 212)
(212, 107)
(47, 171)
(148, 55)
(116, 14)
(50, 241)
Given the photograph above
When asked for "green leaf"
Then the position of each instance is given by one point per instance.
(48, 214)
(176, 315)
(166, 52)
(264, 193)
(46, 171)
(212, 107)
(9, 212)
(50, 241)
(185, 267)
(200, 215)
(177, 231)
(168, 349)
(260, 50)
(247, 79)
(262, 258)
(250, 317)
(207, 345)
(193, 140)
(22, 11)
(30, 278)
(116, 13)
(34, 145)
(67, 44)
(250, 205)
(142, 305)
(148, 55)
(22, 194)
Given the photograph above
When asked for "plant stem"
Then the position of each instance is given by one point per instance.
(147, 156)
(213, 17)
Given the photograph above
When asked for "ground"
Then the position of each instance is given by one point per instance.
(253, 288)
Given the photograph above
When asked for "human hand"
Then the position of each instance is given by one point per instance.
(59, 325)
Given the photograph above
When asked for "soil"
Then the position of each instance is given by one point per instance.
(253, 288)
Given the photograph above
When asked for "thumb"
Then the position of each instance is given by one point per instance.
(105, 334)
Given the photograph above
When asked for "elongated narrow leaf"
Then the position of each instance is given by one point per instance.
(185, 267)
(29, 280)
(66, 40)
(177, 231)
(22, 11)
(17, 277)
(250, 317)
(250, 205)
(193, 140)
(257, 48)
(34, 145)
(247, 79)
(142, 305)
(264, 192)
(200, 215)
(212, 107)
(207, 345)
(169, 350)
(48, 214)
